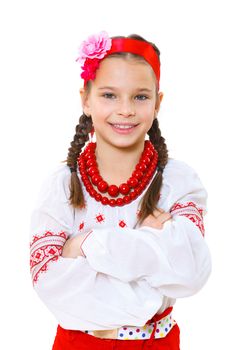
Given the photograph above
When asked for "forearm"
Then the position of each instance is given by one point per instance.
(72, 247)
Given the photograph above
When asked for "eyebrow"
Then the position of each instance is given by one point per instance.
(113, 88)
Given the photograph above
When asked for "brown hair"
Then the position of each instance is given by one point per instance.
(149, 201)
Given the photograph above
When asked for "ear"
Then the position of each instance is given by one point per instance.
(158, 102)
(85, 101)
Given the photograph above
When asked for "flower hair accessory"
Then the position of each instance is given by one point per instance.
(99, 46)
(91, 51)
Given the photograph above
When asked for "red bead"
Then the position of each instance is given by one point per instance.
(91, 162)
(102, 186)
(149, 154)
(134, 194)
(89, 156)
(138, 174)
(96, 179)
(113, 190)
(112, 202)
(119, 202)
(82, 168)
(141, 166)
(133, 182)
(127, 199)
(98, 197)
(105, 200)
(93, 170)
(87, 183)
(138, 190)
(93, 193)
(138, 181)
(141, 188)
(124, 188)
(146, 160)
(81, 160)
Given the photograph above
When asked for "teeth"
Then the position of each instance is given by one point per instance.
(122, 126)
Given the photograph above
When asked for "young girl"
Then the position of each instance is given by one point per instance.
(117, 232)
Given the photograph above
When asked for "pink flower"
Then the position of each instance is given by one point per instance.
(91, 52)
(95, 46)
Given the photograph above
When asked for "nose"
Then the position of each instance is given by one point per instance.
(126, 108)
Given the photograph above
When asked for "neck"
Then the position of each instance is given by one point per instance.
(117, 164)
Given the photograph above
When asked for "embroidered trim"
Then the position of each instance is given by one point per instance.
(191, 211)
(100, 218)
(43, 250)
(122, 223)
(83, 240)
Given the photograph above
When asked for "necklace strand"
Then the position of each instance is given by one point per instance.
(130, 189)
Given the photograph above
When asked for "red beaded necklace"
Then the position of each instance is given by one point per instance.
(130, 190)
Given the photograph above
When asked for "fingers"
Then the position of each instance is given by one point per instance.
(161, 215)
(157, 219)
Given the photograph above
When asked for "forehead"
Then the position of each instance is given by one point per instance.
(117, 71)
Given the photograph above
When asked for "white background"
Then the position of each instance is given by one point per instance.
(202, 53)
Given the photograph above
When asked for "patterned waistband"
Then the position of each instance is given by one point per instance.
(162, 328)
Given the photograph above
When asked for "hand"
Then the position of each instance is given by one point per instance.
(157, 219)
(71, 248)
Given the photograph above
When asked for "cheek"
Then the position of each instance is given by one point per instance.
(100, 107)
(146, 109)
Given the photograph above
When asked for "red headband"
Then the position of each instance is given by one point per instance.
(101, 45)
(137, 47)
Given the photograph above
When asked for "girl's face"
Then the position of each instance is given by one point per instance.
(122, 102)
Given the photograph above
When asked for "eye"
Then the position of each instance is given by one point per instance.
(142, 97)
(108, 95)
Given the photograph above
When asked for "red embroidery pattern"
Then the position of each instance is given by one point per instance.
(100, 218)
(43, 250)
(191, 211)
(122, 223)
(81, 226)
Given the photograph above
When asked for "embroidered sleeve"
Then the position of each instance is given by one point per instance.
(43, 250)
(51, 223)
(191, 211)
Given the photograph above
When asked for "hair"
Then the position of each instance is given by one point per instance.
(150, 199)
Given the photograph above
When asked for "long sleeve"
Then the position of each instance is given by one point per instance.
(175, 260)
(79, 296)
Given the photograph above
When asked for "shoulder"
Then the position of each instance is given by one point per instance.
(177, 171)
(181, 183)
(175, 166)
(56, 183)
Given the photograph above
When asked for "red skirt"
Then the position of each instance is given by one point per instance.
(77, 340)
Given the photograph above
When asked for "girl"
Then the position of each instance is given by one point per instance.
(117, 232)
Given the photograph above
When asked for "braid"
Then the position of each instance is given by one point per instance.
(81, 136)
(159, 143)
(151, 197)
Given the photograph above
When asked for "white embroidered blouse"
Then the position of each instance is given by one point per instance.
(128, 274)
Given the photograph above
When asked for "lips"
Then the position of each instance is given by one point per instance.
(123, 128)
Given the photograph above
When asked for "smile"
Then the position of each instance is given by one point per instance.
(123, 128)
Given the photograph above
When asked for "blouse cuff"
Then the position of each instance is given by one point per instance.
(83, 240)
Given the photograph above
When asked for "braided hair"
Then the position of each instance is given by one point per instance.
(81, 136)
(150, 199)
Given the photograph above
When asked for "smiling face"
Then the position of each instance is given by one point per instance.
(122, 102)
